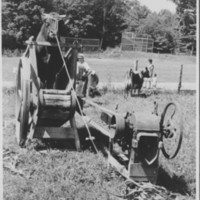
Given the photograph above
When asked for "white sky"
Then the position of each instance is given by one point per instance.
(157, 5)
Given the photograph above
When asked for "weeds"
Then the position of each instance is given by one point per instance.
(12, 53)
(63, 174)
(57, 175)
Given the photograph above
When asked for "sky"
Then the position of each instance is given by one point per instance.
(157, 5)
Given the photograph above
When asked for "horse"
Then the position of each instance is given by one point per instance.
(49, 60)
(134, 81)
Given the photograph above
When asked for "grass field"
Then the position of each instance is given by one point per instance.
(61, 174)
(113, 69)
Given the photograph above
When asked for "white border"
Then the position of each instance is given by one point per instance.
(197, 107)
(197, 113)
(1, 119)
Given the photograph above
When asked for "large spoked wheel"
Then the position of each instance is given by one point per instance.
(171, 126)
(23, 99)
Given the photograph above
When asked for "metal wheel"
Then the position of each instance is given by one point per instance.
(171, 126)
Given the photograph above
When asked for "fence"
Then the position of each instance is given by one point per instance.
(86, 44)
(130, 42)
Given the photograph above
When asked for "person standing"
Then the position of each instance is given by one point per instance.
(151, 69)
(146, 77)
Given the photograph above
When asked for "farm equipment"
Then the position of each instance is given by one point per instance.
(41, 112)
(135, 138)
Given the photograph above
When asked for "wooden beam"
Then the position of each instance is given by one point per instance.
(48, 44)
(53, 91)
(120, 168)
(99, 107)
(54, 133)
(98, 127)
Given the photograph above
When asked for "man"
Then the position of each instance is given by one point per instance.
(87, 79)
(83, 68)
(82, 72)
(146, 77)
(151, 68)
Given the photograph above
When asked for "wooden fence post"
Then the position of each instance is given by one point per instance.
(180, 79)
(136, 65)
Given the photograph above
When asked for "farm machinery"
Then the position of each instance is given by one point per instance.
(135, 138)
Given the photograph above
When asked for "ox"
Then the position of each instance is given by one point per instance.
(134, 81)
(49, 60)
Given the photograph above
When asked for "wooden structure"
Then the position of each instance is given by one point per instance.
(180, 79)
(137, 138)
(41, 112)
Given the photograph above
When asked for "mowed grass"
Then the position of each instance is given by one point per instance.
(63, 174)
(112, 67)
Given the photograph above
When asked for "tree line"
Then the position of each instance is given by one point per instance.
(102, 19)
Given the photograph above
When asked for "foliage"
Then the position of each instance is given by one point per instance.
(105, 20)
(186, 10)
(135, 14)
(91, 19)
(160, 27)
(12, 52)
(95, 19)
(20, 20)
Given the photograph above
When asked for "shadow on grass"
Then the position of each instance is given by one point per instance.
(101, 141)
(173, 182)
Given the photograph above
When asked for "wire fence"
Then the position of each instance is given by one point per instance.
(85, 43)
(130, 42)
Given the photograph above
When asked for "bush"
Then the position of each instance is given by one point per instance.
(12, 53)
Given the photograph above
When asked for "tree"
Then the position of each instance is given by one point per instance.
(97, 19)
(134, 14)
(20, 20)
(160, 27)
(113, 22)
(104, 20)
(186, 10)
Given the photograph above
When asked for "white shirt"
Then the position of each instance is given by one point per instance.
(82, 69)
(83, 66)
(151, 68)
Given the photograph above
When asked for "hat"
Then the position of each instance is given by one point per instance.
(80, 55)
